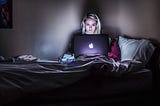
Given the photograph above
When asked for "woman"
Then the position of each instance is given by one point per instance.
(90, 25)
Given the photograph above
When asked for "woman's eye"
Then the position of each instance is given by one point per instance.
(94, 24)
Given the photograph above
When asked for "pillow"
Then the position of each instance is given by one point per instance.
(135, 49)
(115, 51)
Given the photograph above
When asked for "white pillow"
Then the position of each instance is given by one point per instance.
(134, 49)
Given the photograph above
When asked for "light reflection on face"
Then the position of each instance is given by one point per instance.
(90, 26)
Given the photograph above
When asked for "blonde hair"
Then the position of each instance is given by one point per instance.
(91, 16)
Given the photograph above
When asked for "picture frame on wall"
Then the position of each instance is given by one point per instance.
(5, 13)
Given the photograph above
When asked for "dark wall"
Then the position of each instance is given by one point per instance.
(139, 18)
(43, 27)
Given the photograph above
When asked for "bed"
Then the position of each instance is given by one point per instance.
(94, 81)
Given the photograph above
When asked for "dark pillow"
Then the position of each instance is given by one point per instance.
(115, 51)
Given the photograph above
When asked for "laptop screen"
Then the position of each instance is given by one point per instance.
(91, 44)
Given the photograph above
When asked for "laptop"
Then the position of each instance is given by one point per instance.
(91, 44)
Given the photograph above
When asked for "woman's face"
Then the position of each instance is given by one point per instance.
(90, 26)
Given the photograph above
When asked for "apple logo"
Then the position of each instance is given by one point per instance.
(91, 45)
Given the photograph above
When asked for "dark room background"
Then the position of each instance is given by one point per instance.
(43, 27)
